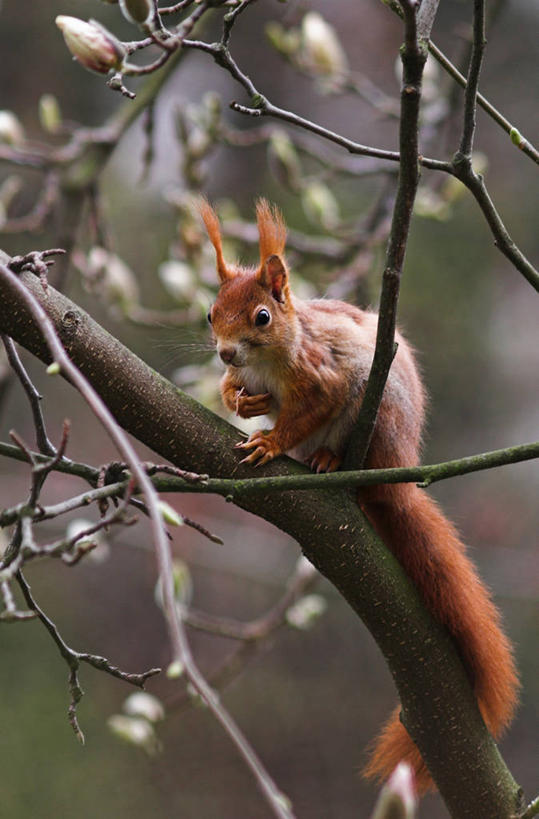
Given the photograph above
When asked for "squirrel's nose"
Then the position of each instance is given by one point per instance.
(228, 354)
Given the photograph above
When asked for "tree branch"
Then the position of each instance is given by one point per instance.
(333, 533)
(235, 488)
(414, 55)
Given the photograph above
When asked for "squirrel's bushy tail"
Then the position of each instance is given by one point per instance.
(432, 555)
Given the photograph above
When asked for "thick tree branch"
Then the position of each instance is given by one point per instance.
(334, 535)
(181, 651)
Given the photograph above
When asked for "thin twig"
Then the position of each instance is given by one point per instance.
(253, 636)
(74, 659)
(472, 83)
(235, 487)
(42, 440)
(414, 56)
(525, 146)
(263, 107)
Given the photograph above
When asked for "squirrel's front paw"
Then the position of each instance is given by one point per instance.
(248, 406)
(323, 460)
(264, 446)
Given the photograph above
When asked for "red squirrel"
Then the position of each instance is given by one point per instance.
(305, 365)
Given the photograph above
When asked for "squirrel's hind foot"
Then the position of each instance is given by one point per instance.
(323, 460)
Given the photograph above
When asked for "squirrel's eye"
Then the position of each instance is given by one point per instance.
(209, 318)
(262, 317)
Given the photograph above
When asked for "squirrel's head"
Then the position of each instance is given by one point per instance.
(252, 317)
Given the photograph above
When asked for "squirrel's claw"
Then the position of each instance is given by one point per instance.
(263, 446)
(254, 456)
(323, 460)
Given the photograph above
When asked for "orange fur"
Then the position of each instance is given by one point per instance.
(431, 553)
(212, 226)
(271, 230)
(306, 364)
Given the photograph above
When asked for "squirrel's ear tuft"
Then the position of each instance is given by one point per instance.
(211, 222)
(271, 229)
(274, 276)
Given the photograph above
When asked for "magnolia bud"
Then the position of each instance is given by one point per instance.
(174, 670)
(142, 704)
(91, 44)
(11, 130)
(322, 50)
(136, 11)
(101, 550)
(169, 514)
(136, 731)
(286, 42)
(50, 115)
(183, 585)
(397, 798)
(303, 614)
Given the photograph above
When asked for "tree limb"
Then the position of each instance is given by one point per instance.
(333, 533)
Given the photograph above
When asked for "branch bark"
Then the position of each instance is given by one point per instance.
(334, 535)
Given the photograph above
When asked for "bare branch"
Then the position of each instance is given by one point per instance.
(472, 83)
(233, 488)
(74, 659)
(414, 56)
(43, 443)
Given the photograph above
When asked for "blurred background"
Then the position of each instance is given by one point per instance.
(312, 699)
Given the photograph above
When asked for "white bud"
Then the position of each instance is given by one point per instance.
(92, 45)
(11, 130)
(101, 552)
(174, 670)
(169, 514)
(397, 798)
(287, 42)
(50, 115)
(306, 611)
(136, 731)
(322, 51)
(183, 585)
(141, 704)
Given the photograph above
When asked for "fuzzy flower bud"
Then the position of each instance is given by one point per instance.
(303, 614)
(322, 50)
(135, 731)
(50, 115)
(91, 44)
(397, 798)
(142, 704)
(11, 130)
